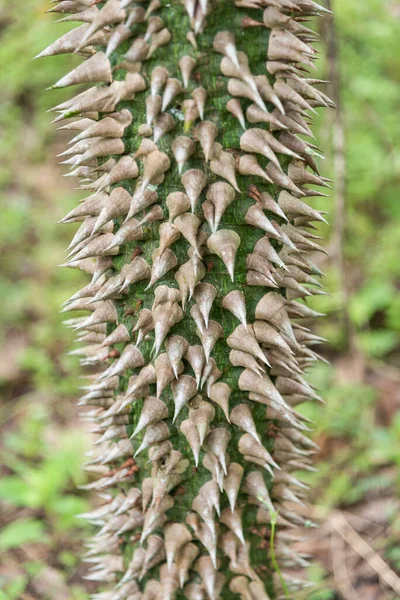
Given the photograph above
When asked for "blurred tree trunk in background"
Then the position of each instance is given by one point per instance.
(336, 126)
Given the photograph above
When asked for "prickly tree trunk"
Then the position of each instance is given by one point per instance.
(193, 143)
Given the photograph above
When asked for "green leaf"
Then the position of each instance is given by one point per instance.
(378, 343)
(14, 490)
(14, 590)
(67, 507)
(369, 300)
(22, 532)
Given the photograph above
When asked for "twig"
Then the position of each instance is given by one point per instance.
(323, 514)
(382, 569)
(342, 580)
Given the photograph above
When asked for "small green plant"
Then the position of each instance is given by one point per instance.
(38, 495)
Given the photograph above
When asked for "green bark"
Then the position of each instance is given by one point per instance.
(249, 570)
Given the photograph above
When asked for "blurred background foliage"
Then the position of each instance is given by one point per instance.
(43, 445)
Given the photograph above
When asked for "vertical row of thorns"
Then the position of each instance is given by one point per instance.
(193, 141)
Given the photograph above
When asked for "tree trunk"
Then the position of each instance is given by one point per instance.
(197, 236)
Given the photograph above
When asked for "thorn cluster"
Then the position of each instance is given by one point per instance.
(197, 237)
